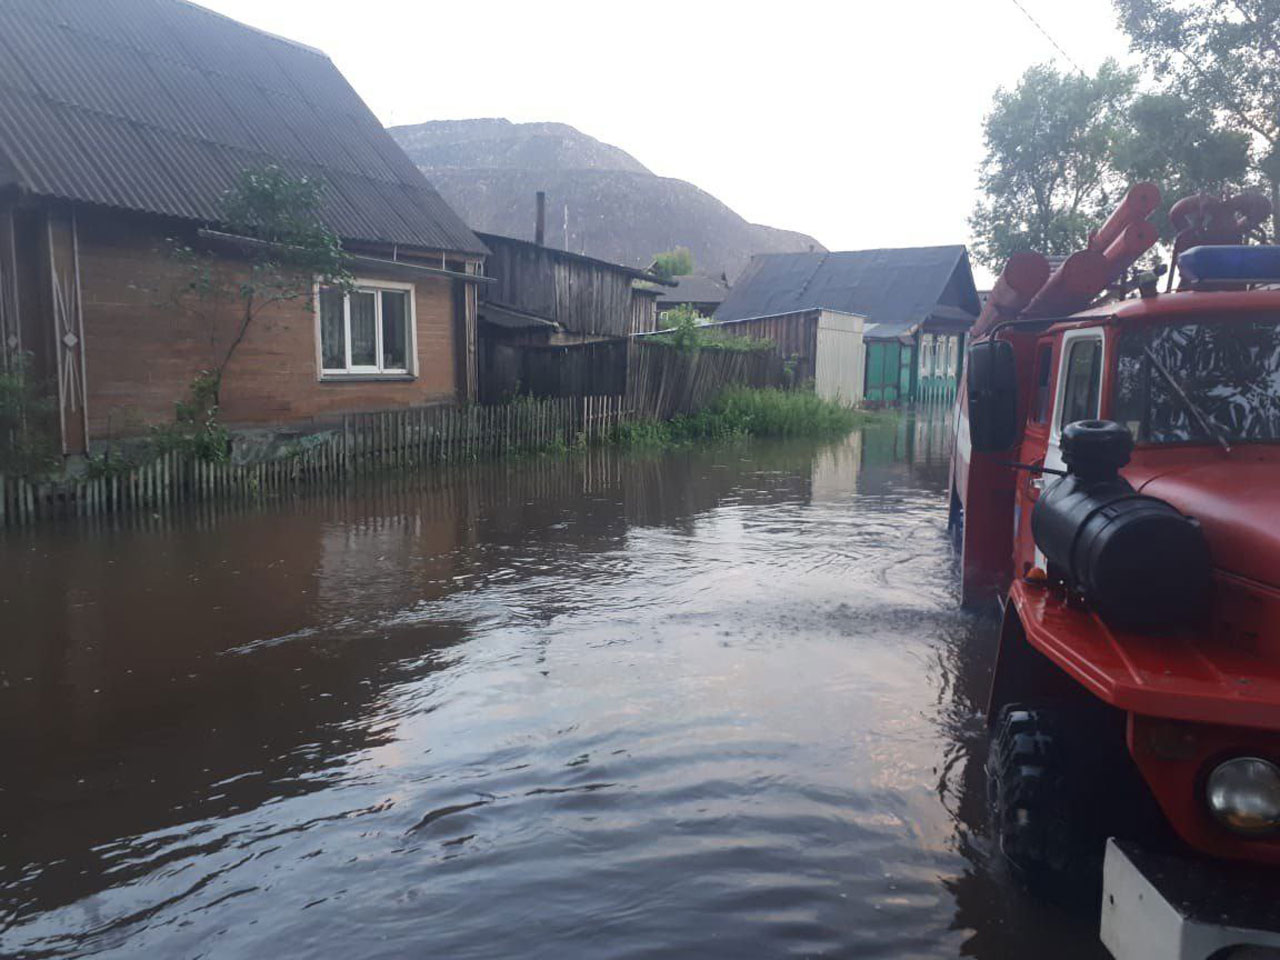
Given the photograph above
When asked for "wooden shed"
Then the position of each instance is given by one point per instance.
(822, 346)
(545, 307)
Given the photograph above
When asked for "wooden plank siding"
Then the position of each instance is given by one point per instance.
(144, 344)
(584, 296)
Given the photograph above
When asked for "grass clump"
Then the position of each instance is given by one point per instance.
(743, 413)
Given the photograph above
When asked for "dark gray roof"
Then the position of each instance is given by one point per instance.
(893, 288)
(157, 105)
(695, 288)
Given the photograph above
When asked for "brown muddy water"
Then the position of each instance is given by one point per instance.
(714, 704)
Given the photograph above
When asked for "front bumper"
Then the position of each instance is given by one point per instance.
(1157, 907)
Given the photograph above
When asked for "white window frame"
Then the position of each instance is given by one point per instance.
(1069, 339)
(366, 285)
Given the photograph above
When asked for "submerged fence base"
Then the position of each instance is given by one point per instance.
(363, 444)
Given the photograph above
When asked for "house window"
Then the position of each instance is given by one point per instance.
(367, 331)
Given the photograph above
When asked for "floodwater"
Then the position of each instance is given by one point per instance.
(714, 704)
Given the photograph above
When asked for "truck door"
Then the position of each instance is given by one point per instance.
(1079, 386)
(1078, 396)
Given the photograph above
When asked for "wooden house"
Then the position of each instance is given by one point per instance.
(544, 311)
(919, 303)
(123, 126)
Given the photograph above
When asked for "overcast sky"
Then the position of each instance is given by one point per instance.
(856, 122)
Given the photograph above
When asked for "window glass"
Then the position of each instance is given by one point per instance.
(395, 329)
(368, 330)
(1044, 377)
(1083, 375)
(333, 329)
(1227, 376)
(364, 329)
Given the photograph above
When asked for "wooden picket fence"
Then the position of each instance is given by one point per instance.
(365, 443)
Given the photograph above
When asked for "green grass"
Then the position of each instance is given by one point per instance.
(742, 414)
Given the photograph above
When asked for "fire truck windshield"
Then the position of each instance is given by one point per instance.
(1224, 372)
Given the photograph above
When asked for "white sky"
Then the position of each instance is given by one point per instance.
(856, 122)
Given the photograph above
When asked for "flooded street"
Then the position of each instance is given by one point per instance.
(714, 704)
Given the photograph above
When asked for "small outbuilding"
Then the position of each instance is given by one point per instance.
(824, 347)
(554, 322)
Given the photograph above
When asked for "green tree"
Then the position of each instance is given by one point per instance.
(1048, 178)
(283, 248)
(673, 263)
(1224, 57)
(1182, 149)
(28, 420)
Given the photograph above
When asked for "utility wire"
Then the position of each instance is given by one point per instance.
(1057, 46)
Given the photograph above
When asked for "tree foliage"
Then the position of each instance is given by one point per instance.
(28, 420)
(1061, 150)
(285, 248)
(673, 263)
(1048, 173)
(1183, 150)
(1223, 57)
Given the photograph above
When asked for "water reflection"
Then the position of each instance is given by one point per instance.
(706, 703)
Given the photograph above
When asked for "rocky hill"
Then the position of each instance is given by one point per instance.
(490, 171)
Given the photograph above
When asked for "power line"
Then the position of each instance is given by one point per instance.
(1057, 46)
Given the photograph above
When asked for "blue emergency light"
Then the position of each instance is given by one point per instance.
(1230, 264)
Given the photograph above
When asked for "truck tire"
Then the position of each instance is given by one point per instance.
(1043, 820)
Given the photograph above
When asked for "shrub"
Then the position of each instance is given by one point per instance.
(28, 421)
(684, 330)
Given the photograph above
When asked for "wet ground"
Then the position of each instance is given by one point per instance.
(716, 704)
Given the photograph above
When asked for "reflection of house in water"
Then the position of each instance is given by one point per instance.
(836, 468)
(916, 448)
(363, 562)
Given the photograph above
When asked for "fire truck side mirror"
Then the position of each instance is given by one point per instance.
(992, 380)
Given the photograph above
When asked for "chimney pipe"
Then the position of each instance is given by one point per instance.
(540, 229)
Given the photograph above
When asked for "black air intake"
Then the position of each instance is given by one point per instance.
(1136, 560)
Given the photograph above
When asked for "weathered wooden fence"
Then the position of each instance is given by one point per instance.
(364, 443)
(663, 382)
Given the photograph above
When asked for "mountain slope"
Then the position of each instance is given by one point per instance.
(490, 171)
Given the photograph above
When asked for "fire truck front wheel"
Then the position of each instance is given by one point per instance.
(1043, 822)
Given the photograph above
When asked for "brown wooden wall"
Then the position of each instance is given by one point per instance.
(582, 296)
(144, 346)
(644, 312)
(794, 336)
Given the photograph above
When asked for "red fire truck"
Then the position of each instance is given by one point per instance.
(1116, 487)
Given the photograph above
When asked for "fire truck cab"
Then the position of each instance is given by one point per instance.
(1116, 487)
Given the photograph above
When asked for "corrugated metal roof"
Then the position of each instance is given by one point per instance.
(894, 288)
(157, 105)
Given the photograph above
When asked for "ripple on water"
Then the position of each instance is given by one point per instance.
(712, 705)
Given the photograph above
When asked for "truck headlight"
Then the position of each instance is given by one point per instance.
(1244, 795)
